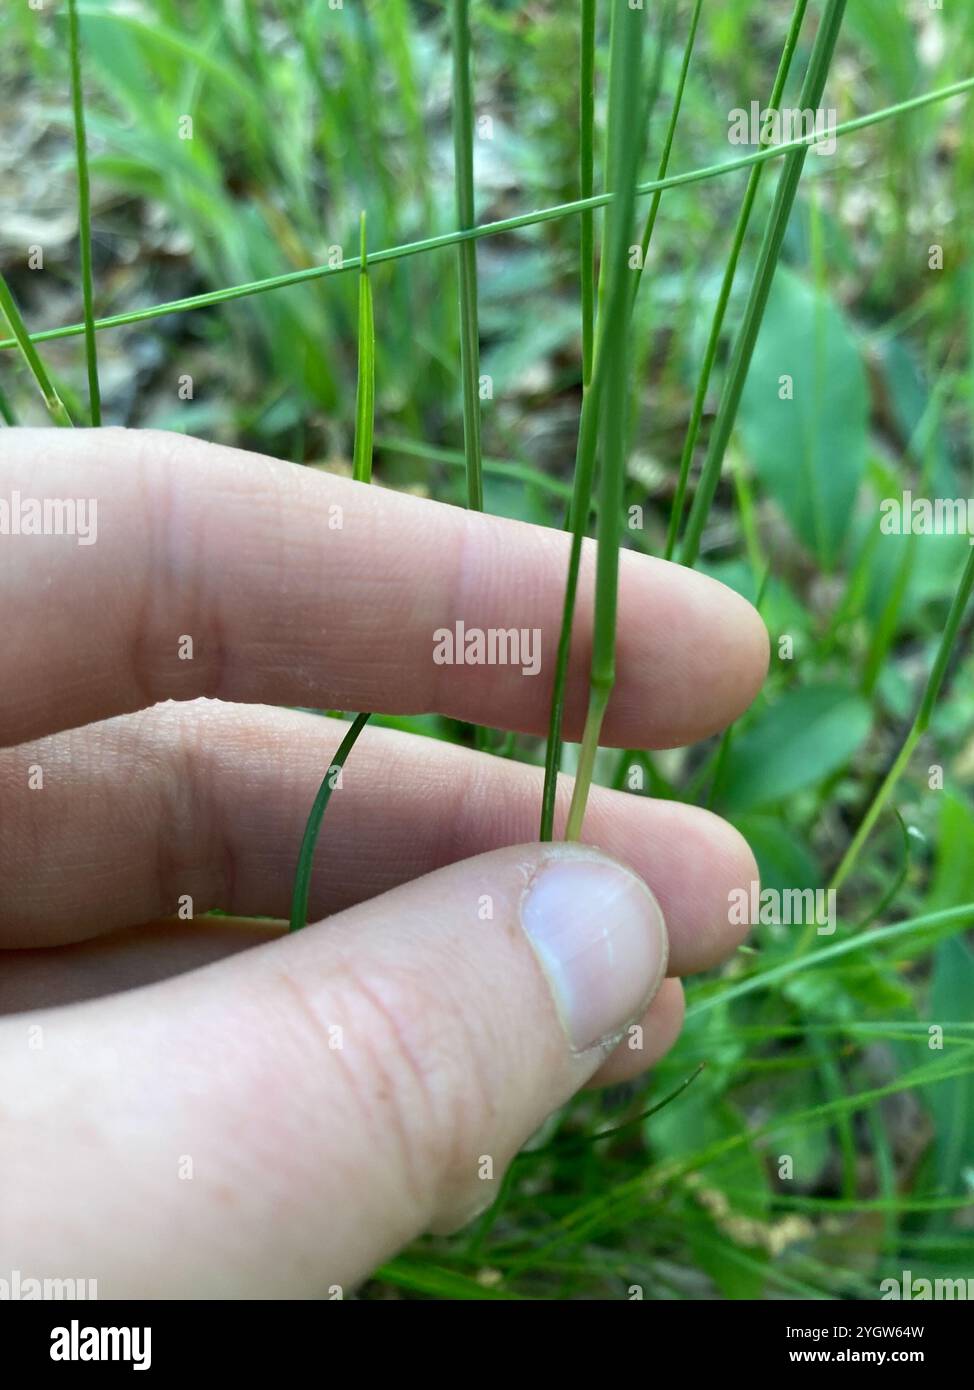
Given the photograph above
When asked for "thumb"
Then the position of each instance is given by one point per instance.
(282, 1121)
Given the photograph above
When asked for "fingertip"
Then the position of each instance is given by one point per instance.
(695, 863)
(647, 1040)
(691, 665)
(730, 867)
(744, 872)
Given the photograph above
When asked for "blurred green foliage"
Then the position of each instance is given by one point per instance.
(303, 115)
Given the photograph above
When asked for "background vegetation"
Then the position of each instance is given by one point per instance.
(302, 115)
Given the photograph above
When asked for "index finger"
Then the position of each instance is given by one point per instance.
(204, 570)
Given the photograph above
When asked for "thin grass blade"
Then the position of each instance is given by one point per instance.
(55, 406)
(84, 214)
(365, 389)
(302, 876)
(770, 253)
(723, 299)
(586, 184)
(499, 227)
(664, 162)
(613, 353)
(612, 319)
(7, 413)
(467, 252)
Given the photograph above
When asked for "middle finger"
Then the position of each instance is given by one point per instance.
(203, 805)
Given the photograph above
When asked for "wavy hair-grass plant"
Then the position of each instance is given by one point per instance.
(606, 305)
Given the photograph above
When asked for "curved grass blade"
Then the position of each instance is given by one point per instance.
(558, 1147)
(84, 213)
(302, 876)
(55, 406)
(727, 284)
(809, 100)
(365, 389)
(891, 892)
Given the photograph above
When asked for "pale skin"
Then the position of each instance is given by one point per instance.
(180, 1117)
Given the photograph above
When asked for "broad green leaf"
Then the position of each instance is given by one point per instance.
(802, 738)
(810, 450)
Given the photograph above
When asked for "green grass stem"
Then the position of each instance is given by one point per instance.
(365, 387)
(55, 406)
(7, 413)
(723, 298)
(586, 184)
(613, 356)
(84, 214)
(463, 116)
(664, 162)
(769, 255)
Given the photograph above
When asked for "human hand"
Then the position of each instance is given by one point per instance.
(279, 1120)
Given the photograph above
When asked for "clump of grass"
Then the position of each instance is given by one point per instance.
(52, 400)
(612, 354)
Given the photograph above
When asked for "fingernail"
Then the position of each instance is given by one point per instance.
(599, 935)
